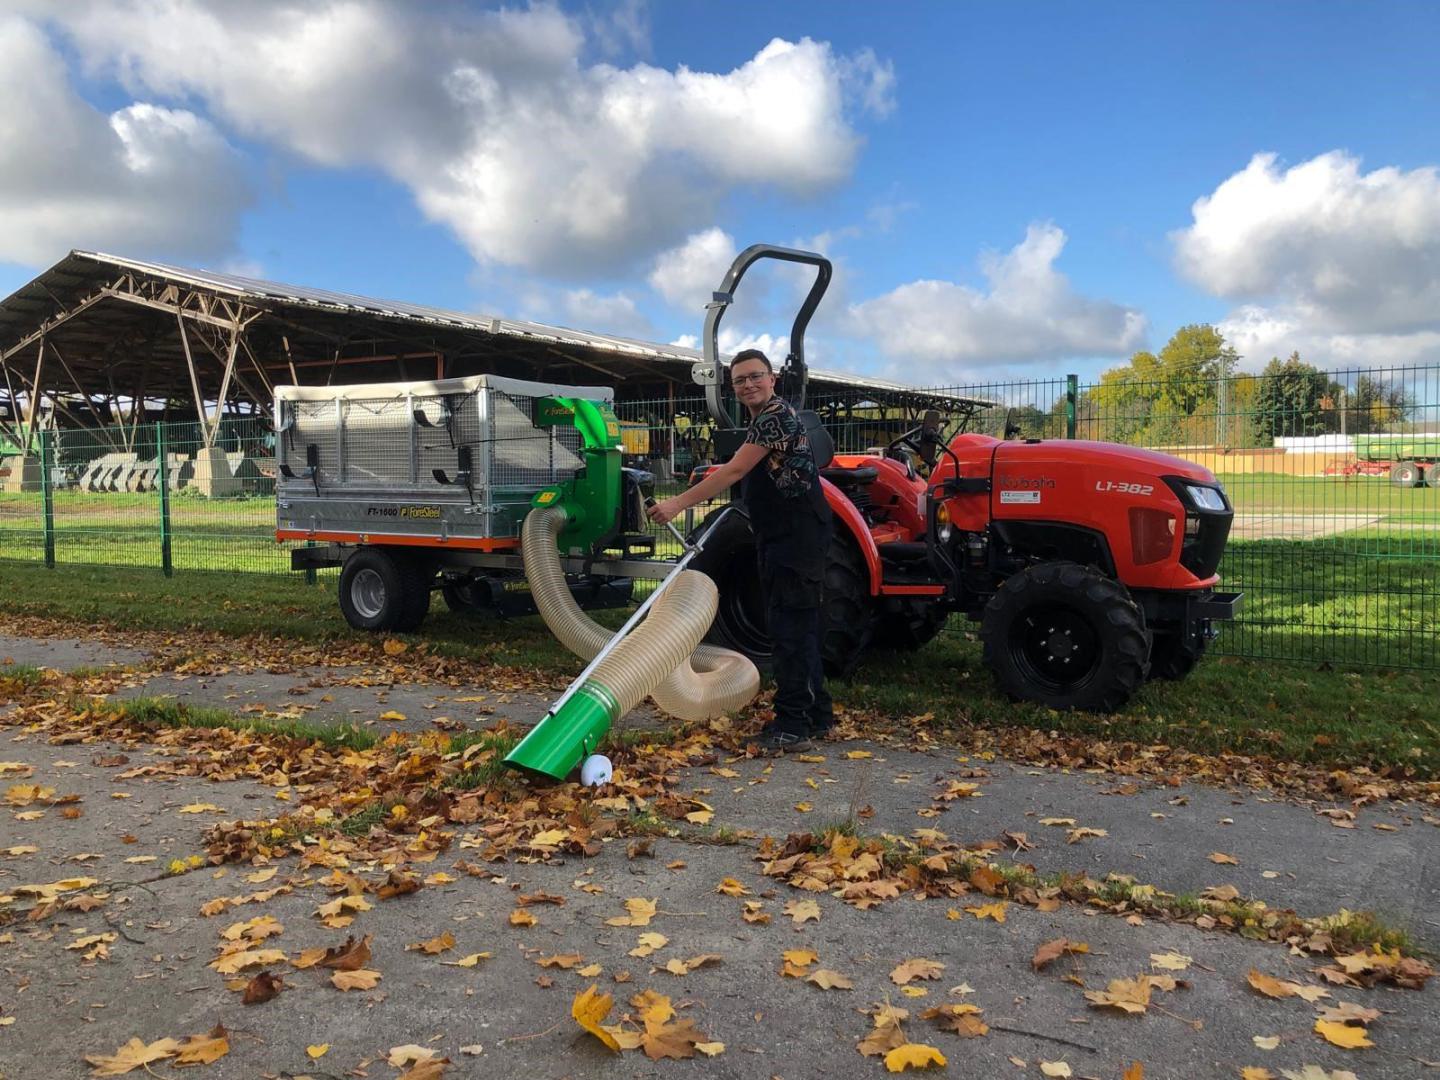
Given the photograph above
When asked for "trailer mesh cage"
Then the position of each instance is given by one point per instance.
(463, 455)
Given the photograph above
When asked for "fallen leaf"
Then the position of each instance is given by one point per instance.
(1347, 1012)
(261, 989)
(640, 912)
(469, 961)
(588, 1009)
(962, 1019)
(913, 1056)
(232, 963)
(829, 980)
(392, 716)
(676, 966)
(994, 911)
(1266, 1042)
(409, 1054)
(1074, 836)
(203, 1049)
(262, 876)
(886, 1035)
(394, 647)
(1136, 1071)
(1055, 1068)
(359, 979)
(202, 808)
(565, 961)
(1170, 961)
(916, 969)
(133, 1055)
(1053, 950)
(731, 887)
(351, 956)
(317, 1051)
(803, 911)
(1256, 1072)
(434, 946)
(521, 917)
(1222, 858)
(1344, 1035)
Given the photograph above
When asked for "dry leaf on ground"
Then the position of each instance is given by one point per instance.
(916, 969)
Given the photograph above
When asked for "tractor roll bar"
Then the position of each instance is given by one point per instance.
(709, 372)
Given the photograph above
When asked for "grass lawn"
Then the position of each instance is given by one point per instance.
(1291, 711)
(1322, 496)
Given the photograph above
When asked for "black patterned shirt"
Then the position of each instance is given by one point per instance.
(789, 463)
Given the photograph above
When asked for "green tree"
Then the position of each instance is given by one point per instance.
(1291, 400)
(1190, 367)
(1373, 405)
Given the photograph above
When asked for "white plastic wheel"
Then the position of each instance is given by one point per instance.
(596, 770)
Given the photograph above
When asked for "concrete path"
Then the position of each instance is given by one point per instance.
(512, 1015)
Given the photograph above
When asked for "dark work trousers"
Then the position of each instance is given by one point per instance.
(802, 704)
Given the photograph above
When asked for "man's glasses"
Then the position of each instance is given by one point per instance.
(742, 380)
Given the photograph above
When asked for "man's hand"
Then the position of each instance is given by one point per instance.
(665, 510)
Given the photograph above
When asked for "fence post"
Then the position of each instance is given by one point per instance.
(1072, 387)
(47, 495)
(163, 479)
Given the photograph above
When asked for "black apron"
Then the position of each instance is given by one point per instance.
(792, 536)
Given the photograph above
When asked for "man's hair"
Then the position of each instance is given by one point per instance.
(752, 354)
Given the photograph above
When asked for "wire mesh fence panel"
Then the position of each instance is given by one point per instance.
(1334, 477)
(22, 509)
(1335, 480)
(221, 505)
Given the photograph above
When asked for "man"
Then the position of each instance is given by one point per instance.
(792, 527)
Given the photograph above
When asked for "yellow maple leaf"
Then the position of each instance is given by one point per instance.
(1344, 1035)
(913, 1056)
(916, 969)
(318, 1050)
(1056, 1068)
(1223, 859)
(858, 755)
(203, 1049)
(589, 1008)
(1256, 1072)
(994, 911)
(1136, 1071)
(830, 980)
(434, 946)
(521, 917)
(641, 911)
(133, 1055)
(359, 979)
(392, 715)
(731, 887)
(201, 808)
(394, 647)
(803, 911)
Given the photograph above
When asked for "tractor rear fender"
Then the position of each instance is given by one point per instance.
(848, 519)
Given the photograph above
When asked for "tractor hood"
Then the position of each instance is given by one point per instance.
(1131, 459)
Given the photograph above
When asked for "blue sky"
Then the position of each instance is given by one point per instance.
(929, 140)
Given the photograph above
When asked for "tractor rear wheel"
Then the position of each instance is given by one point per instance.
(911, 628)
(1066, 636)
(741, 622)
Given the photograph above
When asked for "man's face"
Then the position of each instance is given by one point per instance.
(753, 382)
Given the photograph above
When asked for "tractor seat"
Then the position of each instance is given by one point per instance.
(850, 479)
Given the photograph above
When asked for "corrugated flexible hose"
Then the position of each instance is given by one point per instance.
(663, 656)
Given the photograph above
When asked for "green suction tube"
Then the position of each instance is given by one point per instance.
(560, 742)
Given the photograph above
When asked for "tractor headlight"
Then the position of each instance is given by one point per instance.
(1205, 498)
(943, 525)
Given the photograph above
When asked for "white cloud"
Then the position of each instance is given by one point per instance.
(1029, 313)
(1322, 257)
(144, 179)
(615, 313)
(493, 119)
(686, 275)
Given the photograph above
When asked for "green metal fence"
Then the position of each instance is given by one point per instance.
(1334, 477)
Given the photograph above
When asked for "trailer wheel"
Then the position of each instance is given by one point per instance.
(1405, 474)
(740, 621)
(1066, 636)
(1173, 656)
(382, 590)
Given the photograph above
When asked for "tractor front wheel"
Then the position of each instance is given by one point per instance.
(911, 627)
(1066, 636)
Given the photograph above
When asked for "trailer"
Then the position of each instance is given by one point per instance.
(1412, 460)
(414, 487)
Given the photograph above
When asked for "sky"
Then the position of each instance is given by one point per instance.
(1007, 190)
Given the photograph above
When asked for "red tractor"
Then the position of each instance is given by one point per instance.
(1089, 566)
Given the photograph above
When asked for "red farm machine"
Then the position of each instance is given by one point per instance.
(1088, 566)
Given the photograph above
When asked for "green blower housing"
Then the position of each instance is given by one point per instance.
(592, 499)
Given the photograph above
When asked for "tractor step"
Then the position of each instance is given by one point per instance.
(633, 544)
